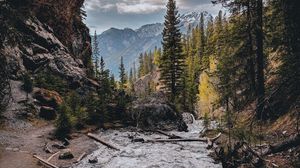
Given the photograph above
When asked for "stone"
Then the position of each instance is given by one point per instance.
(48, 98)
(66, 154)
(155, 112)
(47, 113)
(93, 160)
(188, 118)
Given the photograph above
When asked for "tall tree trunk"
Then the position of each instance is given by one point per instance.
(250, 43)
(260, 114)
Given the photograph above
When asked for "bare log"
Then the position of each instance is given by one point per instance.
(206, 140)
(45, 162)
(92, 136)
(81, 157)
(290, 143)
(53, 156)
(171, 136)
(47, 149)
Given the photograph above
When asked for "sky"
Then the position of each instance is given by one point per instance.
(104, 14)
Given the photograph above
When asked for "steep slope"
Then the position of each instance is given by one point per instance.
(129, 43)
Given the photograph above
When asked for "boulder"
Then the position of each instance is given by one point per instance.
(155, 112)
(66, 154)
(188, 118)
(93, 160)
(48, 98)
(48, 113)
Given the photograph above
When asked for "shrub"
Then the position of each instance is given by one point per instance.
(63, 123)
(206, 120)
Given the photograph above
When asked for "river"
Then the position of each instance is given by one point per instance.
(150, 155)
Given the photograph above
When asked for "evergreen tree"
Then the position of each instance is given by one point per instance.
(260, 90)
(141, 70)
(122, 75)
(96, 54)
(172, 60)
(27, 84)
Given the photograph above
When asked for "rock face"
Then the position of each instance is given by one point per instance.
(155, 113)
(46, 35)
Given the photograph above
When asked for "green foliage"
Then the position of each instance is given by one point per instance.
(123, 79)
(49, 81)
(63, 123)
(206, 120)
(27, 84)
(172, 60)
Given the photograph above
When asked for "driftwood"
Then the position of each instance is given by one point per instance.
(171, 136)
(290, 143)
(187, 140)
(81, 157)
(47, 149)
(45, 162)
(53, 156)
(101, 141)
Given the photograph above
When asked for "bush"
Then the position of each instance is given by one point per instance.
(51, 82)
(206, 120)
(27, 84)
(63, 123)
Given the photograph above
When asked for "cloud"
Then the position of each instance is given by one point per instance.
(140, 8)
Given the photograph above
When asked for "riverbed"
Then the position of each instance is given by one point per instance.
(150, 155)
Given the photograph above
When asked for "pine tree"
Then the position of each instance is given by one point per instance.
(96, 54)
(141, 70)
(122, 75)
(202, 36)
(172, 60)
(27, 84)
(260, 61)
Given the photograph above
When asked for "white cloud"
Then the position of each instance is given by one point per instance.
(139, 8)
(148, 6)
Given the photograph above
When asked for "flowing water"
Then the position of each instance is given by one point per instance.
(150, 155)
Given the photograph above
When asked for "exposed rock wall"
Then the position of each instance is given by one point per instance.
(49, 35)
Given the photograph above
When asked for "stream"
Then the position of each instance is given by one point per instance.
(150, 155)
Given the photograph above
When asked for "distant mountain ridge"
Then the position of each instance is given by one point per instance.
(115, 43)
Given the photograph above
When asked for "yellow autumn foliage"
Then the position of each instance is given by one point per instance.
(208, 95)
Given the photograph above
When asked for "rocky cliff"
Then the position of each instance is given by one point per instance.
(45, 35)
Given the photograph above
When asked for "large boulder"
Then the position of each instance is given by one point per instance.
(155, 112)
(48, 113)
(48, 98)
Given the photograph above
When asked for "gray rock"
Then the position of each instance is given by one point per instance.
(93, 160)
(66, 154)
(155, 112)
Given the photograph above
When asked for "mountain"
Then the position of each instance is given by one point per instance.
(115, 43)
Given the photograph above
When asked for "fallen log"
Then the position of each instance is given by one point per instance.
(53, 156)
(187, 140)
(290, 143)
(45, 162)
(47, 149)
(80, 157)
(171, 136)
(94, 137)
